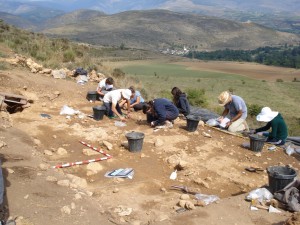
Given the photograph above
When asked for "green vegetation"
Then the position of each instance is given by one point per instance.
(284, 56)
(256, 93)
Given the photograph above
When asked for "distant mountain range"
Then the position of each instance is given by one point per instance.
(276, 14)
(161, 29)
(197, 24)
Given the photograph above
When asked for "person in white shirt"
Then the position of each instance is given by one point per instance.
(105, 86)
(111, 102)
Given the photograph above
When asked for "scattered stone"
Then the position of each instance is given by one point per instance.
(158, 142)
(44, 104)
(184, 197)
(77, 181)
(189, 205)
(258, 154)
(136, 222)
(73, 206)
(43, 166)
(162, 217)
(89, 152)
(78, 196)
(93, 168)
(116, 190)
(9, 170)
(54, 136)
(26, 196)
(51, 179)
(64, 183)
(59, 74)
(108, 145)
(123, 211)
(66, 210)
(48, 152)
(181, 203)
(37, 142)
(62, 151)
(163, 190)
(201, 182)
(2, 144)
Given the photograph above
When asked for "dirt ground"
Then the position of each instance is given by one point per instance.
(37, 194)
(253, 70)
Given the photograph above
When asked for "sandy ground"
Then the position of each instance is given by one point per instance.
(213, 166)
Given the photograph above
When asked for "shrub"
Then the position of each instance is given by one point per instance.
(166, 94)
(254, 109)
(69, 56)
(279, 80)
(118, 73)
(197, 97)
(3, 66)
(144, 94)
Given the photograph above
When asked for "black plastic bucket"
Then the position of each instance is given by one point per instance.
(92, 96)
(257, 142)
(135, 141)
(280, 176)
(192, 122)
(99, 112)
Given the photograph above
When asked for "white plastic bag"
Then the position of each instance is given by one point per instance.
(66, 110)
(120, 124)
(260, 194)
(213, 122)
(207, 199)
(289, 150)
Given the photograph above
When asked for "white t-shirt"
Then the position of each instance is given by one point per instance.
(113, 96)
(103, 86)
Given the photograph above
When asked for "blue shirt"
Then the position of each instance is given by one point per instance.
(134, 99)
(235, 106)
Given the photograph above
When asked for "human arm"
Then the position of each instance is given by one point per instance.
(138, 100)
(236, 117)
(264, 128)
(225, 112)
(115, 111)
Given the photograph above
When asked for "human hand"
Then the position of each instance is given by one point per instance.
(228, 124)
(152, 124)
(123, 119)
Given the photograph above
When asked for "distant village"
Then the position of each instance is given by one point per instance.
(183, 51)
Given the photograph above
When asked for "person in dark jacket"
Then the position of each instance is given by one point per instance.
(274, 121)
(160, 112)
(180, 100)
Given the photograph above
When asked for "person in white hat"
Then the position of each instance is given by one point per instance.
(111, 102)
(274, 121)
(235, 110)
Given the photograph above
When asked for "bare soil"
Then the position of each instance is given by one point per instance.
(214, 166)
(252, 70)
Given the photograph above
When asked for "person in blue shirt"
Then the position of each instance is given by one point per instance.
(180, 100)
(136, 102)
(160, 112)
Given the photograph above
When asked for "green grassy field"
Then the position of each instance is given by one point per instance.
(158, 78)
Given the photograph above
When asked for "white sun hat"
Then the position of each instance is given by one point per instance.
(224, 98)
(126, 93)
(266, 115)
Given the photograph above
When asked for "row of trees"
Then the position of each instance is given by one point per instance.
(285, 56)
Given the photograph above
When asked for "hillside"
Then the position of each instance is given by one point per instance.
(155, 29)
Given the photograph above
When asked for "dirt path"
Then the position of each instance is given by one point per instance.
(209, 165)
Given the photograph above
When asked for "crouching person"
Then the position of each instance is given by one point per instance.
(160, 112)
(111, 100)
(275, 121)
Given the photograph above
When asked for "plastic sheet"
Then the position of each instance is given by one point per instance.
(212, 122)
(66, 110)
(260, 194)
(205, 114)
(207, 199)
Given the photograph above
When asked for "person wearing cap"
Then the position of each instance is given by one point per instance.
(160, 112)
(111, 102)
(274, 121)
(105, 86)
(235, 110)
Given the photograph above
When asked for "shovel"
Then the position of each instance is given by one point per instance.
(173, 175)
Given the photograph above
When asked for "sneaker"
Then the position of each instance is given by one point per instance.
(169, 124)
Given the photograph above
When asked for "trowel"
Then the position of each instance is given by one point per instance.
(173, 175)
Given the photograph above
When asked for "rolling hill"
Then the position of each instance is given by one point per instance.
(158, 29)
